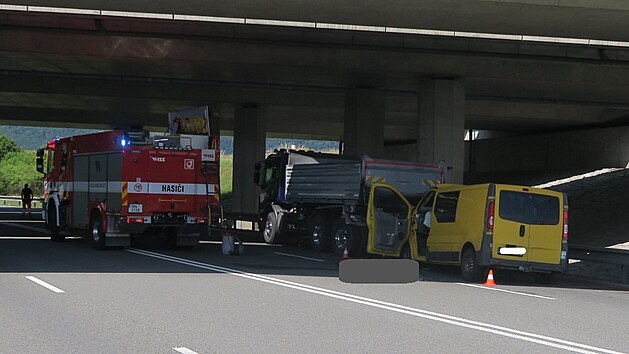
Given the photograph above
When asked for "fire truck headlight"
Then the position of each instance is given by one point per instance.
(123, 142)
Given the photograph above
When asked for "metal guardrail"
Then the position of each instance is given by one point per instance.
(602, 255)
(7, 200)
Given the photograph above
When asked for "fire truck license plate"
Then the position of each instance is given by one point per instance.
(135, 208)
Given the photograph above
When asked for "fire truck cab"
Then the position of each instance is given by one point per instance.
(113, 186)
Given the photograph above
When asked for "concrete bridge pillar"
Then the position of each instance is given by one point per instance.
(249, 148)
(441, 118)
(364, 122)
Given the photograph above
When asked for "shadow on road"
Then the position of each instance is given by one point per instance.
(25, 250)
(444, 273)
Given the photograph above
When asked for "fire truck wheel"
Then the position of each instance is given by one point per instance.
(320, 232)
(270, 231)
(98, 236)
(55, 235)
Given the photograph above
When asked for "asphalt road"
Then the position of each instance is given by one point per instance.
(69, 298)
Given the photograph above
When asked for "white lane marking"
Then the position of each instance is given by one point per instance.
(508, 291)
(44, 284)
(244, 243)
(27, 227)
(24, 221)
(184, 350)
(296, 256)
(24, 238)
(435, 316)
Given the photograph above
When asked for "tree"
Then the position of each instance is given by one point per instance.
(7, 146)
(16, 169)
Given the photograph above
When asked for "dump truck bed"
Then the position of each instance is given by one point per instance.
(344, 182)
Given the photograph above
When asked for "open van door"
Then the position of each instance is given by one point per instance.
(388, 220)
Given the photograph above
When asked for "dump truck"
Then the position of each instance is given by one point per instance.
(324, 197)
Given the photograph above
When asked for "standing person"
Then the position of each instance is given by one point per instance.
(27, 197)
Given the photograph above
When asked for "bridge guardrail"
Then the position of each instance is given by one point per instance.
(8, 200)
(602, 255)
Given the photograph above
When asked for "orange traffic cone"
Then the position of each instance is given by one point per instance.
(345, 254)
(490, 279)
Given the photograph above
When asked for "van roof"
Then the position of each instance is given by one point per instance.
(445, 186)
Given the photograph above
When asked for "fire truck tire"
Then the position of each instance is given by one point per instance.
(320, 230)
(98, 236)
(55, 235)
(271, 228)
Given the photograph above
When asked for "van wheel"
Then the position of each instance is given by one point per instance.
(55, 235)
(320, 232)
(470, 270)
(98, 236)
(406, 252)
(270, 231)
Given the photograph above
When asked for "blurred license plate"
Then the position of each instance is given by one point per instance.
(135, 208)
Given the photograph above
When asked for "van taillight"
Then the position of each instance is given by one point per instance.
(565, 226)
(490, 215)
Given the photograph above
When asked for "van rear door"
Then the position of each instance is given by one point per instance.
(546, 227)
(531, 219)
(511, 229)
(388, 220)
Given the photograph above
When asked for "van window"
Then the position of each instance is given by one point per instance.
(445, 206)
(389, 202)
(529, 208)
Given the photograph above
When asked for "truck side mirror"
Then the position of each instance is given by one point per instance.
(40, 164)
(40, 153)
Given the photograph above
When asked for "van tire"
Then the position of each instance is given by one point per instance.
(405, 253)
(470, 270)
(320, 232)
(270, 232)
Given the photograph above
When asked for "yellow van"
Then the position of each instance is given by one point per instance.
(475, 226)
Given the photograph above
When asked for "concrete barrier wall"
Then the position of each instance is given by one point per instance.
(566, 151)
(536, 158)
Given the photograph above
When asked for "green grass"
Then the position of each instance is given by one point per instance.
(227, 165)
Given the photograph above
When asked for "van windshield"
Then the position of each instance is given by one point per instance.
(529, 208)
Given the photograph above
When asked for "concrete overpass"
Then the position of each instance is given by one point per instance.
(402, 79)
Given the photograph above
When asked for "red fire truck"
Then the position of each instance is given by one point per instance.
(115, 185)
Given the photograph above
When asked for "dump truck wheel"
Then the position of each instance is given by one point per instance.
(340, 236)
(320, 230)
(270, 231)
